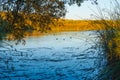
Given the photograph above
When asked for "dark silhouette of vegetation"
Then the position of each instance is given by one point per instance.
(14, 14)
(17, 11)
(110, 40)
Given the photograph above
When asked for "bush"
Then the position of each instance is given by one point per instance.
(110, 40)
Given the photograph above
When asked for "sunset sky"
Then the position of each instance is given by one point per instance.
(86, 9)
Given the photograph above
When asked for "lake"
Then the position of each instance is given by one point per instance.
(57, 56)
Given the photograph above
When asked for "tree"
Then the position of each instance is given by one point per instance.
(14, 14)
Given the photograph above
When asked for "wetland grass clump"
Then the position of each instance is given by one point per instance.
(110, 41)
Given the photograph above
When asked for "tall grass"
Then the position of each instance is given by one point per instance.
(110, 40)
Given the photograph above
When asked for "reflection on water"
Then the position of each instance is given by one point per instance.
(60, 56)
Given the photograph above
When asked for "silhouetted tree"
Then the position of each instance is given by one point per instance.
(14, 14)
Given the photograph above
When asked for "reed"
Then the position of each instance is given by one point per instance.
(110, 40)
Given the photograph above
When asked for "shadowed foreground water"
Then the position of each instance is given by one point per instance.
(62, 56)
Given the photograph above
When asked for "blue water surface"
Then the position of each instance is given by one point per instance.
(60, 56)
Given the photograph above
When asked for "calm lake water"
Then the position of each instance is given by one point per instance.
(61, 56)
